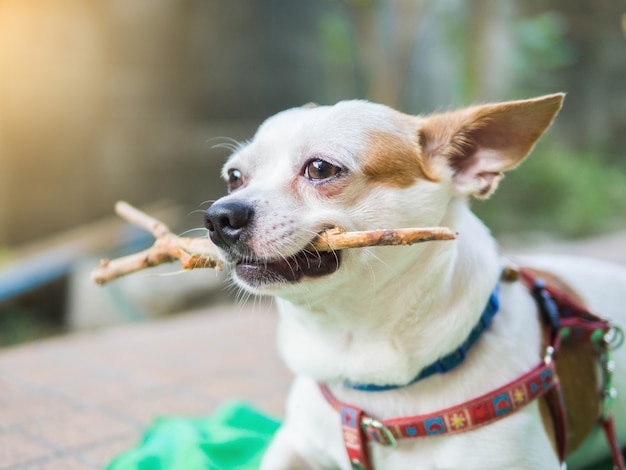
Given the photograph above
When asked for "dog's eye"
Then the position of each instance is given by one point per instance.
(235, 179)
(319, 170)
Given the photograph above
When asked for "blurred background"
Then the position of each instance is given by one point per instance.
(116, 99)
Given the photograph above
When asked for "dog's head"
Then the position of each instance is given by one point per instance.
(359, 166)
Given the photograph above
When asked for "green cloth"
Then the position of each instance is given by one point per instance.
(234, 437)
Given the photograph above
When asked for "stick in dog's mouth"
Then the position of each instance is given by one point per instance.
(338, 239)
(322, 256)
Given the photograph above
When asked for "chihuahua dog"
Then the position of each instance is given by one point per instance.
(381, 315)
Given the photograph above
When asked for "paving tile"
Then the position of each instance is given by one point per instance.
(79, 429)
(101, 454)
(145, 409)
(16, 449)
(95, 393)
(61, 463)
(31, 406)
(160, 374)
(9, 390)
(239, 386)
(46, 370)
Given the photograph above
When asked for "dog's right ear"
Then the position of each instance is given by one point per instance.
(481, 142)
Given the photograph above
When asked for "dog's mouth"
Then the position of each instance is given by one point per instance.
(257, 272)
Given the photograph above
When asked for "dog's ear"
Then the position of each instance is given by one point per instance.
(481, 142)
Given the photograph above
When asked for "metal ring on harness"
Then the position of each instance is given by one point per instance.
(614, 337)
(390, 440)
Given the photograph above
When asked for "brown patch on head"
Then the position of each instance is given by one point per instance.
(394, 160)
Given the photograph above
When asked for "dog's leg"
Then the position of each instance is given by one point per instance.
(310, 437)
(288, 452)
(283, 455)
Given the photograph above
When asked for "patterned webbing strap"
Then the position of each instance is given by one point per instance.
(358, 428)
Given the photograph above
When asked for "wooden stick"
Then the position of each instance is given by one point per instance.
(201, 253)
(167, 248)
(338, 239)
(135, 216)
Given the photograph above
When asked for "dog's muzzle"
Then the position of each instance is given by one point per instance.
(230, 226)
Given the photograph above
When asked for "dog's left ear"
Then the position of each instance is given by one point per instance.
(481, 142)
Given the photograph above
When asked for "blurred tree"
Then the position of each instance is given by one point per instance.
(250, 59)
(594, 79)
(386, 34)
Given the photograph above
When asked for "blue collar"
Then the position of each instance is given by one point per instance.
(447, 362)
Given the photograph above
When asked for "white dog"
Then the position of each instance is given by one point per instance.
(366, 323)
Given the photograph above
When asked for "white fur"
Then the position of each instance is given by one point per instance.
(389, 312)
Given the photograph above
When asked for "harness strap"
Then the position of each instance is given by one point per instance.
(559, 418)
(354, 436)
(359, 428)
(608, 426)
(575, 322)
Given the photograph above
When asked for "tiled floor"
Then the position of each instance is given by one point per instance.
(75, 402)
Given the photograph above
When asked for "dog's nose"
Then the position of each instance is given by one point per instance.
(226, 221)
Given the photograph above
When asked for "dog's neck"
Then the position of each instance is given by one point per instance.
(391, 323)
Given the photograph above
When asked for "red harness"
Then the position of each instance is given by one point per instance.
(564, 318)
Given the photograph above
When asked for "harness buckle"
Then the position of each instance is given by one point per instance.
(389, 439)
(614, 337)
(547, 306)
(549, 355)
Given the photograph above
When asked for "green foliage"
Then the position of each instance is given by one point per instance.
(564, 193)
(541, 43)
(336, 36)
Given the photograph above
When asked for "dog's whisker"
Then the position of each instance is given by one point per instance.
(192, 230)
(196, 211)
(230, 144)
(207, 202)
(225, 145)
